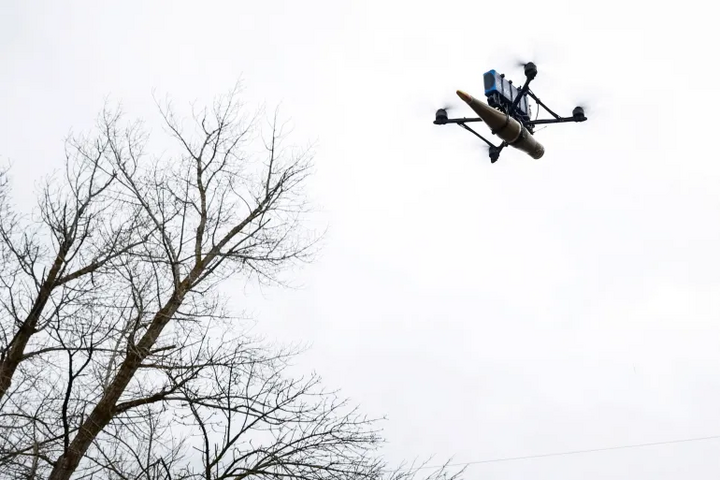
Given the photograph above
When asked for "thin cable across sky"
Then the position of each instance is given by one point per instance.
(574, 452)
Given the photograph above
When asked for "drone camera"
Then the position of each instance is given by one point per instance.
(441, 117)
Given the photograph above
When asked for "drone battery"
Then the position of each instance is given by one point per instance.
(499, 89)
(492, 79)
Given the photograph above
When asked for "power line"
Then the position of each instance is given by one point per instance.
(574, 452)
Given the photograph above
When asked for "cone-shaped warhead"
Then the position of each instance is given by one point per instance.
(465, 97)
(499, 122)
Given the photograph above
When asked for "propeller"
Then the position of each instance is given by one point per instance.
(538, 52)
(590, 102)
(448, 107)
(442, 109)
(446, 102)
(543, 55)
(518, 62)
(585, 106)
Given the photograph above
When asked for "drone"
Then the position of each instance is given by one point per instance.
(508, 114)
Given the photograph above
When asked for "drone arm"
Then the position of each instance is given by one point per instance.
(543, 105)
(494, 151)
(523, 91)
(477, 135)
(459, 121)
(577, 116)
(556, 120)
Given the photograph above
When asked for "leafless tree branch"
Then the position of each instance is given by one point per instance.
(117, 358)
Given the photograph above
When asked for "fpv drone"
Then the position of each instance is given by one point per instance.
(507, 113)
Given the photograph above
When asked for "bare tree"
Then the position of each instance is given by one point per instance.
(46, 265)
(119, 360)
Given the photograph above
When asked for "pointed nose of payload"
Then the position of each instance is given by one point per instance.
(465, 97)
(495, 119)
(500, 123)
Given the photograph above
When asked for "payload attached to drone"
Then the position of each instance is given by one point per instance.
(507, 113)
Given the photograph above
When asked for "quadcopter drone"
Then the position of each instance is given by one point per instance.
(507, 113)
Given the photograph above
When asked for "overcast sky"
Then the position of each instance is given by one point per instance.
(521, 308)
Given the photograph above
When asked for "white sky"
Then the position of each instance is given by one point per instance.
(520, 308)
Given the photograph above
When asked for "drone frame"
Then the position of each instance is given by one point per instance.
(578, 115)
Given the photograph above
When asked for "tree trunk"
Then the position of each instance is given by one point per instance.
(104, 411)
